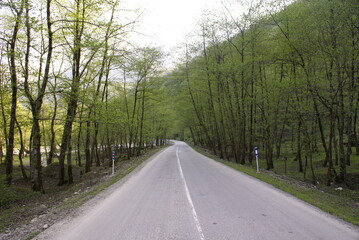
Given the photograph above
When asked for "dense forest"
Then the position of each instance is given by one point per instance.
(283, 78)
(73, 88)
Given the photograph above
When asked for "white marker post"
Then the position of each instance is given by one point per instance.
(113, 162)
(256, 154)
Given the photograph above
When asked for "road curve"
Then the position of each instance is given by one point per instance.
(181, 194)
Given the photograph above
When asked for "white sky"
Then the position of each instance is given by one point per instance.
(165, 23)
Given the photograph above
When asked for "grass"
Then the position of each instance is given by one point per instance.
(14, 194)
(338, 203)
(32, 235)
(320, 171)
(4, 215)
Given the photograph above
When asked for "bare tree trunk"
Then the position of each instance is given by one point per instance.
(13, 77)
(342, 158)
(69, 164)
(3, 114)
(335, 143)
(79, 139)
(76, 76)
(314, 179)
(299, 147)
(35, 156)
(140, 146)
(36, 102)
(88, 163)
(331, 171)
(127, 140)
(79, 162)
(132, 137)
(21, 151)
(95, 145)
(66, 136)
(52, 128)
(321, 130)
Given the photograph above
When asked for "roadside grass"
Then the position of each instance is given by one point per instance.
(19, 203)
(32, 235)
(4, 215)
(320, 172)
(343, 204)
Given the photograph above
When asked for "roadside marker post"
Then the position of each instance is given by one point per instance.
(256, 155)
(113, 162)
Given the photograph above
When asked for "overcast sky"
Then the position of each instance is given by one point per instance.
(165, 23)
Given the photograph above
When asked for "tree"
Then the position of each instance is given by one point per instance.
(36, 98)
(18, 9)
(76, 50)
(276, 75)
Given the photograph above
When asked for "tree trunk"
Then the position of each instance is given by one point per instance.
(21, 151)
(52, 129)
(142, 118)
(299, 147)
(69, 164)
(66, 136)
(79, 162)
(35, 155)
(13, 77)
(36, 102)
(88, 163)
(330, 171)
(75, 85)
(342, 158)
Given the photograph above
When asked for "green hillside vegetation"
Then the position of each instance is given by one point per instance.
(73, 89)
(285, 81)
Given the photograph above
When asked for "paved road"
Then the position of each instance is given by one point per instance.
(181, 194)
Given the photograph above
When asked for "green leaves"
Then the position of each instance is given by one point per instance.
(293, 68)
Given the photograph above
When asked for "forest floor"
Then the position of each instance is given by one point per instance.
(339, 199)
(24, 213)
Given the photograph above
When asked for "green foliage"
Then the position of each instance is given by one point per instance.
(102, 93)
(287, 77)
(10, 195)
(32, 235)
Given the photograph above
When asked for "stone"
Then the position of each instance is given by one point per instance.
(41, 208)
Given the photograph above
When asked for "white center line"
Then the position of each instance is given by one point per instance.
(199, 229)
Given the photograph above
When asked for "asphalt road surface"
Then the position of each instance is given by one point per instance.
(181, 194)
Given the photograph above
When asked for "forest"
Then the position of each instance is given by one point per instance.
(281, 77)
(73, 89)
(283, 80)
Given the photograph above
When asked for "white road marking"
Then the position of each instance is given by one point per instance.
(199, 229)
